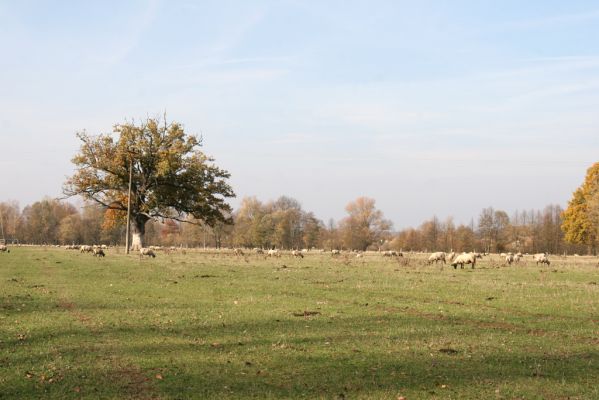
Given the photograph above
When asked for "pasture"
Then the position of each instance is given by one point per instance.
(215, 326)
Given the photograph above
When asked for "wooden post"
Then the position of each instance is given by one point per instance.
(129, 204)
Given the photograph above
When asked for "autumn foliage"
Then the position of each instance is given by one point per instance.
(171, 177)
(581, 218)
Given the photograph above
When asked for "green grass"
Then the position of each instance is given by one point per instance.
(205, 326)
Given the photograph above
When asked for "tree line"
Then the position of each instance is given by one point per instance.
(284, 224)
(156, 174)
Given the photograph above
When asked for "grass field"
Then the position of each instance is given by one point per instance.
(204, 325)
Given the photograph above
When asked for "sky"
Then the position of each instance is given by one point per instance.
(429, 107)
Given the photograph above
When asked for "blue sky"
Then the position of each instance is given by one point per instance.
(430, 107)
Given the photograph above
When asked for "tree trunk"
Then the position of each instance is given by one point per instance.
(138, 229)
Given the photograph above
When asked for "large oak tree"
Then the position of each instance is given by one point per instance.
(171, 177)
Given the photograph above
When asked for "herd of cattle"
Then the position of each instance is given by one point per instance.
(454, 259)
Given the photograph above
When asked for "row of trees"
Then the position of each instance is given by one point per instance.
(526, 231)
(284, 224)
(156, 175)
(50, 221)
(275, 224)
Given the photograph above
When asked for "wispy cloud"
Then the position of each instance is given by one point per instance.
(300, 138)
(215, 77)
(242, 62)
(553, 20)
(128, 40)
(234, 34)
(556, 90)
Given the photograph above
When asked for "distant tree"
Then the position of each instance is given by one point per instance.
(365, 224)
(221, 234)
(501, 224)
(69, 230)
(465, 238)
(10, 216)
(281, 223)
(431, 231)
(41, 221)
(172, 178)
(92, 216)
(247, 218)
(194, 234)
(448, 230)
(551, 234)
(288, 230)
(169, 232)
(330, 237)
(409, 239)
(581, 218)
(485, 228)
(493, 229)
(312, 229)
